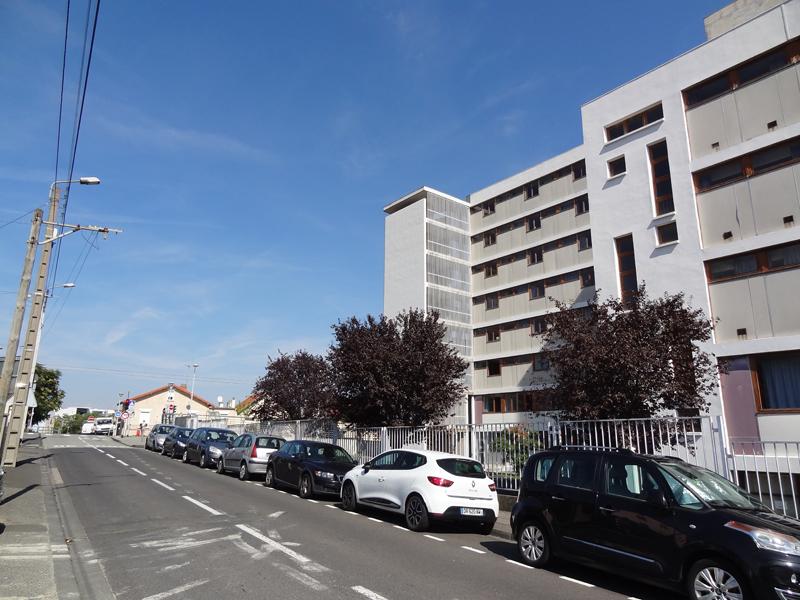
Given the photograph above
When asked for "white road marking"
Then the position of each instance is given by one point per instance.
(519, 564)
(122, 462)
(303, 578)
(109, 456)
(331, 505)
(578, 581)
(400, 528)
(433, 537)
(275, 515)
(304, 560)
(281, 491)
(368, 593)
(173, 567)
(476, 551)
(314, 501)
(374, 519)
(138, 471)
(178, 590)
(164, 485)
(213, 511)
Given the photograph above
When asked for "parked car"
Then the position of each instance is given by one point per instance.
(656, 519)
(103, 426)
(248, 455)
(155, 439)
(175, 442)
(310, 467)
(206, 444)
(424, 485)
(87, 428)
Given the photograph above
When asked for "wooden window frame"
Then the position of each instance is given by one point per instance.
(627, 122)
(758, 394)
(489, 235)
(490, 269)
(582, 205)
(495, 298)
(655, 162)
(662, 227)
(586, 279)
(617, 160)
(625, 295)
(533, 253)
(490, 363)
(762, 264)
(492, 334)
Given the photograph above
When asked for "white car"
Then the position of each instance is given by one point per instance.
(424, 485)
(103, 426)
(87, 427)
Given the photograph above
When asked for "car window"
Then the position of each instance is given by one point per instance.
(628, 478)
(540, 468)
(328, 452)
(385, 461)
(269, 442)
(289, 449)
(462, 467)
(197, 434)
(184, 433)
(683, 497)
(219, 436)
(237, 443)
(410, 460)
(577, 471)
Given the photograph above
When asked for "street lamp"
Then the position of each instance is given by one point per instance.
(193, 367)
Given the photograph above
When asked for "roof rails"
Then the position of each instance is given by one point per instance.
(593, 448)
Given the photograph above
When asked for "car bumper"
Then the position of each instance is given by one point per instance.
(453, 514)
(328, 486)
(213, 460)
(779, 579)
(259, 468)
(449, 509)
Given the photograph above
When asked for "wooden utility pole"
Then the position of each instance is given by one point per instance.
(16, 321)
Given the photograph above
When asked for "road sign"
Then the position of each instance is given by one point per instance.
(90, 418)
(172, 408)
(118, 414)
(131, 404)
(124, 416)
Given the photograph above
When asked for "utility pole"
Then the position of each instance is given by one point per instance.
(16, 321)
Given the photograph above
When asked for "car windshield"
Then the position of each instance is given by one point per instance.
(183, 433)
(268, 442)
(462, 467)
(328, 452)
(163, 428)
(716, 491)
(220, 436)
(103, 422)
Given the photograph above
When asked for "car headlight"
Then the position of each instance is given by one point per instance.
(323, 474)
(181, 444)
(214, 451)
(767, 539)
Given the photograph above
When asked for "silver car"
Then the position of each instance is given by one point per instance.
(155, 439)
(248, 454)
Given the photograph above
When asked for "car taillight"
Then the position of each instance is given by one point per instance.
(253, 453)
(440, 481)
(492, 487)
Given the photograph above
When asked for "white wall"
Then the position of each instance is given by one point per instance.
(404, 259)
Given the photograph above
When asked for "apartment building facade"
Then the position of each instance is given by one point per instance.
(688, 179)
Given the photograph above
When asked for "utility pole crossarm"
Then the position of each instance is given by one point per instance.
(75, 228)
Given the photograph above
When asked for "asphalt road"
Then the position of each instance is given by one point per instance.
(160, 529)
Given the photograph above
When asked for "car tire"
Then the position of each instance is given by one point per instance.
(486, 528)
(533, 544)
(203, 461)
(417, 518)
(173, 455)
(709, 573)
(349, 499)
(269, 478)
(185, 457)
(244, 474)
(220, 466)
(306, 486)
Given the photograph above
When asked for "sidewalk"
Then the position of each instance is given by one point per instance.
(131, 441)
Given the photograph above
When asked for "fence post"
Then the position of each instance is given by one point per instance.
(385, 445)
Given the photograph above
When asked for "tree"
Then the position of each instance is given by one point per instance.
(295, 386)
(639, 359)
(48, 393)
(394, 371)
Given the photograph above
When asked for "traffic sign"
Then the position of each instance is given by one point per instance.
(131, 404)
(118, 414)
(124, 416)
(90, 418)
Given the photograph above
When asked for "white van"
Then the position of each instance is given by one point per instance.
(87, 428)
(103, 426)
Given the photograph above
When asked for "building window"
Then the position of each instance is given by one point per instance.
(489, 238)
(535, 256)
(667, 233)
(777, 258)
(488, 208)
(493, 368)
(742, 74)
(616, 167)
(634, 122)
(582, 205)
(584, 240)
(662, 182)
(587, 277)
(531, 189)
(493, 334)
(490, 270)
(748, 165)
(534, 222)
(626, 265)
(540, 362)
(492, 301)
(537, 290)
(579, 170)
(778, 381)
(538, 326)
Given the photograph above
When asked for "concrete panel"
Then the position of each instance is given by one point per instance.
(725, 209)
(404, 259)
(759, 302)
(732, 309)
(789, 94)
(715, 122)
(778, 428)
(774, 196)
(758, 104)
(781, 289)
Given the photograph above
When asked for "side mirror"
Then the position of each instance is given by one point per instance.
(366, 467)
(657, 498)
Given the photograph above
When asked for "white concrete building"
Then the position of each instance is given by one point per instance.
(688, 180)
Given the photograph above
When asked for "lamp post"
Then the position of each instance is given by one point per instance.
(193, 367)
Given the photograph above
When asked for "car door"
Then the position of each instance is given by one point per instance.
(229, 455)
(281, 460)
(573, 497)
(294, 464)
(636, 530)
(371, 482)
(193, 447)
(400, 480)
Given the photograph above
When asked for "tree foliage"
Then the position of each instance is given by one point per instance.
(48, 394)
(295, 386)
(394, 371)
(615, 360)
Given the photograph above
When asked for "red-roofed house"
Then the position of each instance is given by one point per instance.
(148, 407)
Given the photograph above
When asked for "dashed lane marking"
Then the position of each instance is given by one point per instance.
(178, 590)
(164, 485)
(275, 515)
(400, 528)
(303, 578)
(312, 500)
(122, 462)
(367, 593)
(578, 581)
(213, 511)
(374, 519)
(108, 454)
(433, 537)
(475, 550)
(135, 470)
(519, 564)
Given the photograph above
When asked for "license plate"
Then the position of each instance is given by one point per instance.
(472, 512)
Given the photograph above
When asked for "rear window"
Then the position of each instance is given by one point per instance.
(462, 467)
(272, 443)
(163, 428)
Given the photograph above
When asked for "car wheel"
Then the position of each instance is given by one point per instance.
(244, 474)
(417, 518)
(173, 455)
(486, 528)
(349, 501)
(269, 478)
(716, 578)
(185, 457)
(220, 466)
(203, 461)
(534, 545)
(306, 489)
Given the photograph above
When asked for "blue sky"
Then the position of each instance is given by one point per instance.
(248, 148)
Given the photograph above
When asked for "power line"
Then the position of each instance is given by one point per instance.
(18, 219)
(87, 248)
(152, 375)
(61, 96)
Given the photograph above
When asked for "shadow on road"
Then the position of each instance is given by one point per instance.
(600, 579)
(23, 491)
(32, 459)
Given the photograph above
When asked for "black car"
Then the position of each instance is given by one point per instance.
(310, 467)
(657, 519)
(206, 444)
(175, 442)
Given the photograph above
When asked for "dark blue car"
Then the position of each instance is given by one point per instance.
(206, 444)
